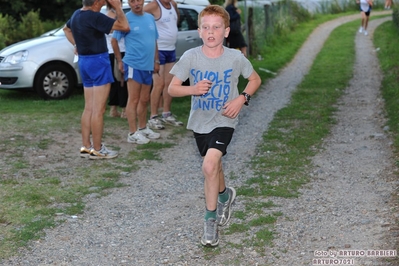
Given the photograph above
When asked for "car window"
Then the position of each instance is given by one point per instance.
(188, 19)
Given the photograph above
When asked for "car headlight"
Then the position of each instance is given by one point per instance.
(16, 58)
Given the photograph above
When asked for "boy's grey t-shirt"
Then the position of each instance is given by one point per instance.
(223, 72)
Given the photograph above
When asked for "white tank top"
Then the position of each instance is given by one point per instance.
(109, 45)
(364, 5)
(121, 43)
(167, 28)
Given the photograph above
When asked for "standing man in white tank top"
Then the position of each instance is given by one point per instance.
(166, 17)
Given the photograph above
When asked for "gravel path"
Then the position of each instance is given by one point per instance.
(157, 218)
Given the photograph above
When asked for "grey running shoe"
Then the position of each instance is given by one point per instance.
(137, 137)
(148, 133)
(103, 153)
(171, 119)
(224, 209)
(85, 152)
(211, 235)
(155, 123)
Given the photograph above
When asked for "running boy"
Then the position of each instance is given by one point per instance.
(365, 10)
(214, 70)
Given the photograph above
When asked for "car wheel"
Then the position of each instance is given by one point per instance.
(54, 82)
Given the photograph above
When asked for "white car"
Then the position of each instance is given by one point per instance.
(46, 63)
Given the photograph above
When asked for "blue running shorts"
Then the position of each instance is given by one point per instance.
(95, 70)
(140, 76)
(167, 57)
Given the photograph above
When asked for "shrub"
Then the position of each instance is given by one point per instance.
(30, 25)
(7, 26)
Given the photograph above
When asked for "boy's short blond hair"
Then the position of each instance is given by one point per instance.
(217, 11)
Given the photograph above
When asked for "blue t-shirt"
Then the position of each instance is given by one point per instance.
(139, 41)
(88, 29)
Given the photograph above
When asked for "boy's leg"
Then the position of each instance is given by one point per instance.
(211, 168)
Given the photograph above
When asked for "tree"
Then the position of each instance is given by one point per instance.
(58, 10)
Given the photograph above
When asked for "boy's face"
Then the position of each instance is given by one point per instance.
(136, 6)
(212, 30)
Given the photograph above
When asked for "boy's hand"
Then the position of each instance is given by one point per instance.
(202, 87)
(233, 108)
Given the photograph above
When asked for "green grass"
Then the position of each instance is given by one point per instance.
(386, 38)
(32, 196)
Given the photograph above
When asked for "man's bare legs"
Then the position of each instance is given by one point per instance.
(157, 89)
(133, 99)
(159, 94)
(161, 81)
(136, 111)
(92, 120)
(365, 20)
(363, 23)
(142, 105)
(167, 99)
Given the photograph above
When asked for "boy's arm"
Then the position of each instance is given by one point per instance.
(176, 89)
(233, 107)
(253, 84)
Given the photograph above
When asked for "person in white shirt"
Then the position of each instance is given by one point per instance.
(365, 10)
(166, 16)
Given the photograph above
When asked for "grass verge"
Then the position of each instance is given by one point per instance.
(386, 39)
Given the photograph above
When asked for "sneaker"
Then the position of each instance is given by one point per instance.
(85, 152)
(155, 123)
(366, 33)
(171, 119)
(103, 153)
(211, 235)
(148, 133)
(137, 137)
(224, 209)
(360, 29)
